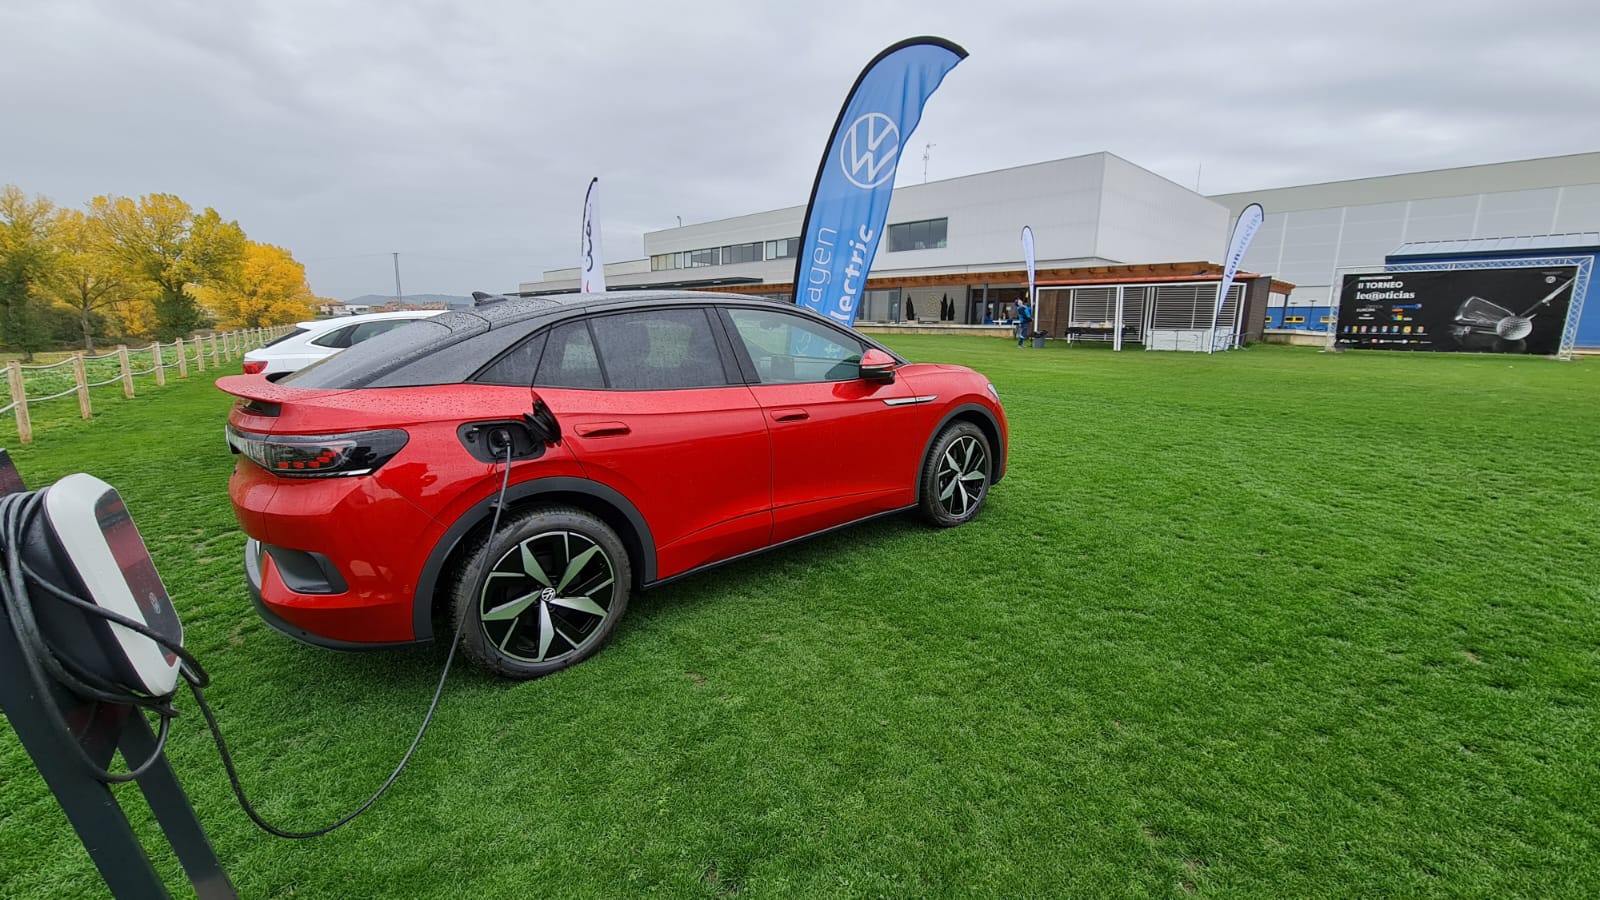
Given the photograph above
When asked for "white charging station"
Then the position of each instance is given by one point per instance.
(101, 549)
(74, 683)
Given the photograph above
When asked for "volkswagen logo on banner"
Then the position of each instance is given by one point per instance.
(849, 206)
(869, 150)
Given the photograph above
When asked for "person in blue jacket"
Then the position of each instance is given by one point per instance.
(1024, 320)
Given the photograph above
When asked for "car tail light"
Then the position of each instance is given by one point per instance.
(254, 366)
(318, 455)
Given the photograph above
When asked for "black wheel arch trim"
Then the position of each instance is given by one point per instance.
(428, 581)
(960, 412)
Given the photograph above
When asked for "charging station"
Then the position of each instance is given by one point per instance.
(84, 536)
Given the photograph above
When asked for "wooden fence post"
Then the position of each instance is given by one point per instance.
(183, 361)
(127, 370)
(19, 398)
(82, 378)
(199, 344)
(215, 359)
(161, 371)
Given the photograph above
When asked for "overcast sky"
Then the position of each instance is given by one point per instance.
(463, 135)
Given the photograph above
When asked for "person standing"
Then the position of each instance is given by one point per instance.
(1024, 320)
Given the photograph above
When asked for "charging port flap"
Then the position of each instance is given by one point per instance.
(487, 441)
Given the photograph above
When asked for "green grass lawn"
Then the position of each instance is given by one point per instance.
(1268, 623)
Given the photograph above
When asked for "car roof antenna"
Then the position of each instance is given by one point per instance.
(479, 298)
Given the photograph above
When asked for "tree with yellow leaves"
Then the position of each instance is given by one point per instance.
(162, 243)
(84, 276)
(267, 287)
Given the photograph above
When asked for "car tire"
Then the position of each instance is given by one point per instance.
(556, 584)
(955, 476)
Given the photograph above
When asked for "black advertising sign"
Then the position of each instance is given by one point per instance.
(1464, 310)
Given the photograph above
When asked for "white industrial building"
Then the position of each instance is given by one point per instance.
(1111, 235)
(952, 253)
(1313, 229)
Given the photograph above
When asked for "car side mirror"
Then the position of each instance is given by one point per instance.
(877, 366)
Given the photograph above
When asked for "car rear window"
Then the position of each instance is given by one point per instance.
(368, 360)
(278, 340)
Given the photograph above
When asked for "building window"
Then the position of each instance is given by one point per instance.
(928, 234)
(755, 251)
(741, 253)
(788, 248)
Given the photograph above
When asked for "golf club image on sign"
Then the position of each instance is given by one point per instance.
(1483, 317)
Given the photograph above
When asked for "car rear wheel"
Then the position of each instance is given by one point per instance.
(955, 476)
(557, 583)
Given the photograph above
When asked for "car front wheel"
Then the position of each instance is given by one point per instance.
(557, 583)
(955, 476)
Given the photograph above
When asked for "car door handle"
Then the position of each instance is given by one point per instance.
(602, 429)
(790, 415)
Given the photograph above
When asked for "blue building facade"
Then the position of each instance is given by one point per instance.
(1300, 318)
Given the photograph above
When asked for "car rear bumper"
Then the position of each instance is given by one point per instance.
(257, 564)
(332, 562)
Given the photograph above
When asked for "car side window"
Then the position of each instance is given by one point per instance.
(337, 339)
(659, 350)
(569, 359)
(788, 349)
(517, 366)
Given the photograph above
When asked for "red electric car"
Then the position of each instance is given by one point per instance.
(650, 435)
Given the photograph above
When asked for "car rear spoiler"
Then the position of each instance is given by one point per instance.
(258, 388)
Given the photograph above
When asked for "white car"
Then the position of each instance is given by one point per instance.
(312, 341)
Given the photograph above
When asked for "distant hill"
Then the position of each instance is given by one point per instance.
(449, 300)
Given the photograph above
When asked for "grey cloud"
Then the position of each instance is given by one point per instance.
(464, 135)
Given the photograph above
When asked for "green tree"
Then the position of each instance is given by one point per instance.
(26, 259)
(160, 241)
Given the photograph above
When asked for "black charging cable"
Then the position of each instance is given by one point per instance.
(455, 640)
(17, 512)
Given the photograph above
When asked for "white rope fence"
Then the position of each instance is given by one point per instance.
(34, 384)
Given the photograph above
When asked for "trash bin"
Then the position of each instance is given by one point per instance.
(1038, 339)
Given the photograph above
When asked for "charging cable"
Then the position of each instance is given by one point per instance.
(17, 512)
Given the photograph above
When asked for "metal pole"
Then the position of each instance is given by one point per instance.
(1238, 313)
(1116, 340)
(397, 294)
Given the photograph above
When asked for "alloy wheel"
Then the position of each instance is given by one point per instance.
(547, 597)
(963, 475)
